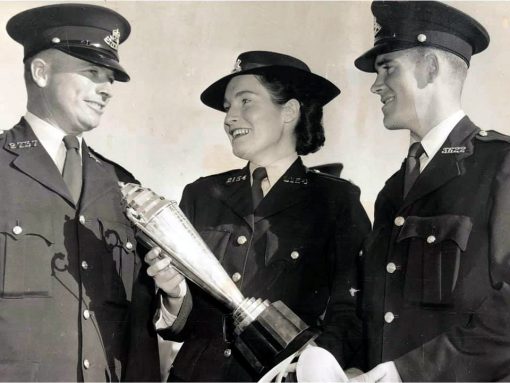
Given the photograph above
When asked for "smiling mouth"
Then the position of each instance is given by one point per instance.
(97, 106)
(387, 100)
(235, 133)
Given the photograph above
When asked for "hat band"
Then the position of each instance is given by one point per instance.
(254, 65)
(442, 40)
(70, 44)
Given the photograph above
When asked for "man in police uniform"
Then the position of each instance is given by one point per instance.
(72, 306)
(436, 287)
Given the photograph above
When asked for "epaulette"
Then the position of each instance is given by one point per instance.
(492, 135)
(122, 173)
(320, 174)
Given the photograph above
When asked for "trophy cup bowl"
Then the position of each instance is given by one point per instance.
(265, 333)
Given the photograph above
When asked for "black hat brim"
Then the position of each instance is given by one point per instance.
(316, 86)
(366, 61)
(98, 58)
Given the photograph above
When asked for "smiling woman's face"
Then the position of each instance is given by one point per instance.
(254, 123)
(76, 93)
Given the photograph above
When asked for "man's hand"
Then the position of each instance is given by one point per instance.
(166, 276)
(384, 372)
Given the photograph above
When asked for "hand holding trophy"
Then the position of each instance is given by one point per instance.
(265, 333)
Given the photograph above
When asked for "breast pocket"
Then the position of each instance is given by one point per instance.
(217, 241)
(436, 245)
(26, 255)
(295, 271)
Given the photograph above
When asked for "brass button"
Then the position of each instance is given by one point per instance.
(399, 221)
(86, 364)
(82, 219)
(483, 133)
(227, 353)
(294, 255)
(86, 314)
(17, 230)
(129, 245)
(391, 267)
(84, 265)
(388, 317)
(241, 240)
(236, 277)
(431, 239)
(421, 38)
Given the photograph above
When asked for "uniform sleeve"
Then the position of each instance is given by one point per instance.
(342, 334)
(480, 350)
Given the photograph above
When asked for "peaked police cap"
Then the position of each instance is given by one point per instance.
(88, 32)
(402, 25)
(260, 62)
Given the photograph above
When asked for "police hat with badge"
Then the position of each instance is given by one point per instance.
(88, 32)
(400, 25)
(261, 62)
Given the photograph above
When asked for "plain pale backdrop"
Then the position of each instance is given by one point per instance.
(157, 128)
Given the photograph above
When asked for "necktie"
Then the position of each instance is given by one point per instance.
(72, 172)
(256, 188)
(412, 166)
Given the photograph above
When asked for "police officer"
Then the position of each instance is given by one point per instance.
(71, 306)
(436, 287)
(281, 231)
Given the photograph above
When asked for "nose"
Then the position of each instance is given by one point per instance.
(377, 85)
(231, 117)
(105, 90)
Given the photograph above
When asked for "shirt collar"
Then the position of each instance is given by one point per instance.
(276, 169)
(49, 136)
(436, 137)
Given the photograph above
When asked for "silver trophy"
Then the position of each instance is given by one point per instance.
(265, 333)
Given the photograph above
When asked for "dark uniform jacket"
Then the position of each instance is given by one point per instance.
(437, 265)
(67, 273)
(300, 247)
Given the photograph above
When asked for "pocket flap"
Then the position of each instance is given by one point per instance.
(21, 225)
(456, 228)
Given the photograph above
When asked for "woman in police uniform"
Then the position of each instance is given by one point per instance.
(281, 231)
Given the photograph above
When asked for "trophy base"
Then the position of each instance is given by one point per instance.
(272, 336)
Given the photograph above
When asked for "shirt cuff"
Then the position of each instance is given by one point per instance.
(169, 308)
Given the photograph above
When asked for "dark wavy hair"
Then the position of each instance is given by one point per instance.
(284, 86)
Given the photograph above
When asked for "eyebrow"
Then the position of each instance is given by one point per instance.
(238, 94)
(382, 62)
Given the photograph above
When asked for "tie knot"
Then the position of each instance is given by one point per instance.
(259, 174)
(71, 142)
(416, 150)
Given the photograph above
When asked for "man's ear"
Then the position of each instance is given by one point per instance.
(427, 69)
(291, 110)
(40, 70)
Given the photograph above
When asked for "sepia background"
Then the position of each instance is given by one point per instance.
(157, 128)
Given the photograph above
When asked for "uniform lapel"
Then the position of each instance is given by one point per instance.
(235, 192)
(32, 159)
(289, 190)
(97, 180)
(447, 163)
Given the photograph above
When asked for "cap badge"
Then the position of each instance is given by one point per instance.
(113, 40)
(377, 27)
(237, 66)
